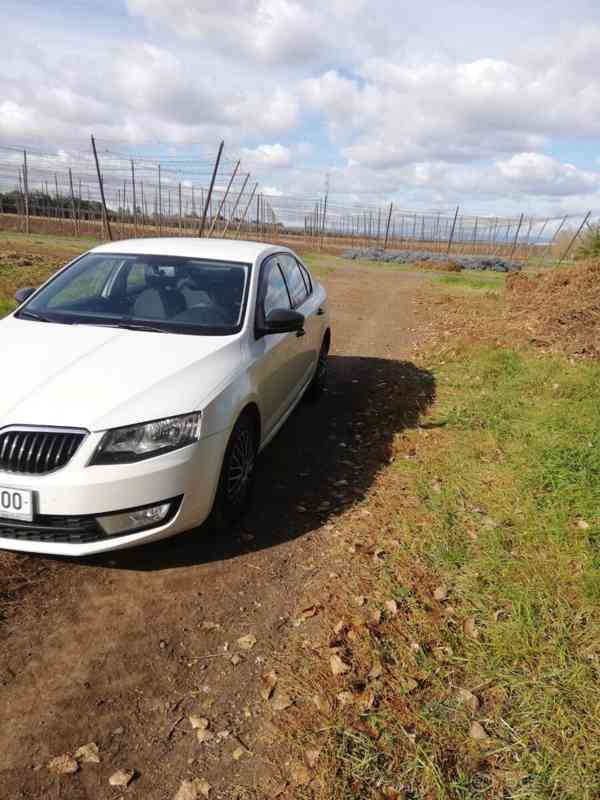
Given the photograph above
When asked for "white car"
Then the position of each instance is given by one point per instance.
(139, 384)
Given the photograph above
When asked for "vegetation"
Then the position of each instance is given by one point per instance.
(589, 244)
(468, 281)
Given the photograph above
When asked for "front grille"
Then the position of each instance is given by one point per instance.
(36, 451)
(46, 528)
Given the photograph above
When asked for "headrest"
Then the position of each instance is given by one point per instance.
(160, 276)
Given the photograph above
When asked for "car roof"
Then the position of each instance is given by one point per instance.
(218, 249)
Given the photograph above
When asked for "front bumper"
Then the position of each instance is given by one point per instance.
(76, 493)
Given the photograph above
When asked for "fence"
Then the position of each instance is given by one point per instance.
(104, 192)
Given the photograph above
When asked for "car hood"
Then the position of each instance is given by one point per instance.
(97, 377)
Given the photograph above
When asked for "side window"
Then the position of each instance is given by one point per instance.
(275, 293)
(307, 278)
(136, 278)
(293, 277)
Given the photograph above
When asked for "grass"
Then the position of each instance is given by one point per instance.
(494, 502)
(472, 281)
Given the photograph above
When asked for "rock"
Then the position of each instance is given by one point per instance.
(199, 723)
(63, 765)
(88, 753)
(193, 789)
(122, 777)
(269, 681)
(247, 642)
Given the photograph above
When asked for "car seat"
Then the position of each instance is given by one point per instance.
(161, 299)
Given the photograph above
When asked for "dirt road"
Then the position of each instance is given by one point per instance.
(119, 650)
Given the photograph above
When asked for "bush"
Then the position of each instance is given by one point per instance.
(589, 243)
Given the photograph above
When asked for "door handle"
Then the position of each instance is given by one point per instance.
(320, 312)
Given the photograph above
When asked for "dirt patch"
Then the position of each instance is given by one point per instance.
(121, 651)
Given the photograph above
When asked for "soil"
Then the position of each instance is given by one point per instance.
(120, 650)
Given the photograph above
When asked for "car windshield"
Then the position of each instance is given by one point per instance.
(147, 292)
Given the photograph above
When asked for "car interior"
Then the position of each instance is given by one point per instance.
(190, 292)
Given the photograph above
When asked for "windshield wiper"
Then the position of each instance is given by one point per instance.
(128, 325)
(139, 326)
(40, 317)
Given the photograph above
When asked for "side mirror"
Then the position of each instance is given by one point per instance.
(23, 294)
(283, 320)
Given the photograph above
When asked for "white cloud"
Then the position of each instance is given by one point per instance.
(271, 156)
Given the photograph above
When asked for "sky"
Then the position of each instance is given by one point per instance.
(493, 106)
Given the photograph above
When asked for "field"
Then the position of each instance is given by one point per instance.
(422, 575)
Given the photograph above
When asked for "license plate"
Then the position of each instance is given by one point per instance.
(16, 503)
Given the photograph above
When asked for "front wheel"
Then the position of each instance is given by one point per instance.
(237, 475)
(317, 386)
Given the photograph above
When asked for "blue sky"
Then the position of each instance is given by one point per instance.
(495, 107)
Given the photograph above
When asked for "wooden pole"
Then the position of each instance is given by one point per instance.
(235, 205)
(135, 219)
(573, 240)
(101, 184)
(210, 189)
(26, 190)
(159, 203)
(73, 209)
(231, 179)
(179, 198)
(452, 231)
(516, 239)
(387, 227)
(243, 217)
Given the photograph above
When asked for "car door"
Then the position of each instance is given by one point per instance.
(305, 301)
(273, 355)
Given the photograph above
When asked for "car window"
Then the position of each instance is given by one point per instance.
(293, 277)
(176, 294)
(85, 285)
(307, 278)
(276, 293)
(136, 277)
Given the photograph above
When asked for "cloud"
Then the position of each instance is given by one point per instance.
(271, 156)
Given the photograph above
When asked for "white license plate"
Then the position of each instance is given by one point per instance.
(16, 503)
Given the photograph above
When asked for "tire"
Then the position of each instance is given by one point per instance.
(236, 480)
(318, 384)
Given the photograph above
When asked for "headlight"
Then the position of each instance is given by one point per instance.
(137, 442)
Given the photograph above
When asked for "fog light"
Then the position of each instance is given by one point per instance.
(131, 521)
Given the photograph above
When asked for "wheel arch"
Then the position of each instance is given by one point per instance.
(251, 410)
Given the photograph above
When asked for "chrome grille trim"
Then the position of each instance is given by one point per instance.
(33, 450)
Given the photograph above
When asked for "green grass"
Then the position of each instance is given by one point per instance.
(515, 531)
(472, 281)
(6, 306)
(497, 498)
